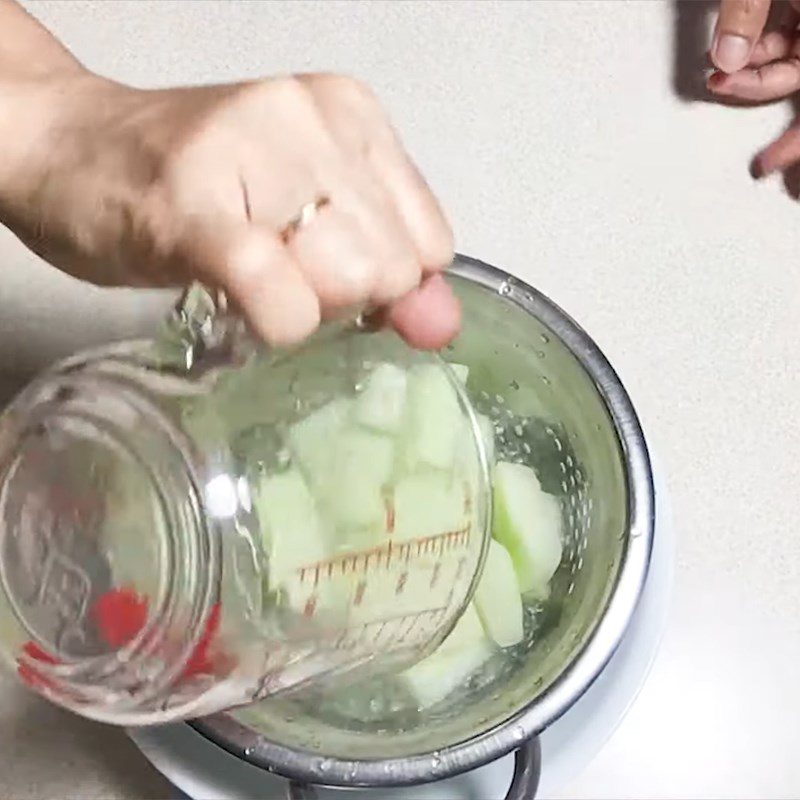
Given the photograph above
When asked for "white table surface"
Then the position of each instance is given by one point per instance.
(555, 137)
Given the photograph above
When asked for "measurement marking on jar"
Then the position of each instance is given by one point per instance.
(388, 553)
(359, 596)
(381, 555)
(400, 626)
(437, 568)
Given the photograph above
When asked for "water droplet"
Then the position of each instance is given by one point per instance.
(325, 765)
(518, 733)
(540, 353)
(545, 338)
(514, 385)
(248, 751)
(545, 380)
(499, 399)
(504, 288)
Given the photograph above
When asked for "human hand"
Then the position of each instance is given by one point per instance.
(120, 186)
(757, 67)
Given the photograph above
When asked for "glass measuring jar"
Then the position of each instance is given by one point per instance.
(193, 522)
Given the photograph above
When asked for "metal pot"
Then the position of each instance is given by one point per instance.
(570, 417)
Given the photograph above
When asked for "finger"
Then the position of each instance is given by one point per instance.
(359, 125)
(396, 263)
(427, 317)
(772, 47)
(420, 211)
(739, 26)
(779, 43)
(336, 259)
(770, 82)
(259, 275)
(782, 153)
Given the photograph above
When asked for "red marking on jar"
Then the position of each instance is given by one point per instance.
(119, 614)
(200, 660)
(310, 607)
(390, 514)
(31, 676)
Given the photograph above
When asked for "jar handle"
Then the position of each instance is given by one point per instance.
(203, 332)
(527, 770)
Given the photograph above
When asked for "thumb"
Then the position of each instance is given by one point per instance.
(739, 26)
(429, 316)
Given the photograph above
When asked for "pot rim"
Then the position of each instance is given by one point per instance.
(579, 674)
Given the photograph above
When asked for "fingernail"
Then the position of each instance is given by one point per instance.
(759, 168)
(716, 82)
(731, 52)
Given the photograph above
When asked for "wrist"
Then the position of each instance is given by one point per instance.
(38, 120)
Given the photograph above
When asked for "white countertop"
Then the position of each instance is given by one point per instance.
(554, 136)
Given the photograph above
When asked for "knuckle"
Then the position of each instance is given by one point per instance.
(438, 247)
(344, 86)
(280, 94)
(244, 260)
(350, 285)
(398, 277)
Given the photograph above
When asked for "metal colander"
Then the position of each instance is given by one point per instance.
(557, 406)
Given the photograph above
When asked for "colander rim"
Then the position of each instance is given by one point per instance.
(577, 676)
